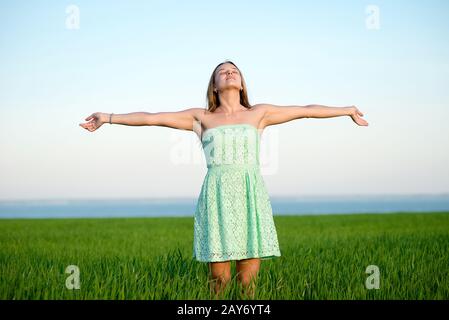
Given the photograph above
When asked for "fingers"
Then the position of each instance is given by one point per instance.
(90, 117)
(88, 126)
(91, 124)
(359, 121)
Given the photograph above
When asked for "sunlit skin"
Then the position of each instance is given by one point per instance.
(228, 84)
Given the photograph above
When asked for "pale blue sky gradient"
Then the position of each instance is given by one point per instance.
(154, 56)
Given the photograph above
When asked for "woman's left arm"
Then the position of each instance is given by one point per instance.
(279, 114)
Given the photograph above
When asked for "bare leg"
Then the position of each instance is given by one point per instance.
(247, 271)
(220, 276)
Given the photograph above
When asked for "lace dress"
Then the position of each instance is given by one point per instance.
(233, 217)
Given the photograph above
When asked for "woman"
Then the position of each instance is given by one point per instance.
(233, 217)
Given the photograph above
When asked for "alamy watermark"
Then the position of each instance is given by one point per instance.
(372, 21)
(73, 281)
(72, 21)
(373, 281)
(232, 146)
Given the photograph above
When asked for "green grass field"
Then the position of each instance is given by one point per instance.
(323, 257)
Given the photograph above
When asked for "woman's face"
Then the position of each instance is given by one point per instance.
(227, 77)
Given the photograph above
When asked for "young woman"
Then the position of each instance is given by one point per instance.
(233, 218)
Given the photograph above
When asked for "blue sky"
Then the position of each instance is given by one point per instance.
(154, 56)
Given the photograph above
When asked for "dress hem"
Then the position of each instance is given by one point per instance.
(239, 257)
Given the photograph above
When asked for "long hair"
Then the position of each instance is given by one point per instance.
(212, 99)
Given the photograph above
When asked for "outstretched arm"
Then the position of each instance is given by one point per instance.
(183, 119)
(274, 114)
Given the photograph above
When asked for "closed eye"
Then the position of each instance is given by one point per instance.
(232, 71)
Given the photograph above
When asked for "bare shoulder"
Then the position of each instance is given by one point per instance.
(264, 105)
(183, 119)
(259, 106)
(263, 109)
(197, 113)
(276, 114)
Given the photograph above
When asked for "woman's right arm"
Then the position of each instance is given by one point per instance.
(183, 119)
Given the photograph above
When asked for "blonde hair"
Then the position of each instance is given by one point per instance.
(212, 100)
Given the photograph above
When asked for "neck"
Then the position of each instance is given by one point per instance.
(230, 101)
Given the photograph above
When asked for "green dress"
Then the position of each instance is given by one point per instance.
(233, 217)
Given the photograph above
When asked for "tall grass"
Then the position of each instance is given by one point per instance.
(323, 257)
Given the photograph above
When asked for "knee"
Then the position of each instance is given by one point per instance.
(245, 278)
(220, 272)
(222, 278)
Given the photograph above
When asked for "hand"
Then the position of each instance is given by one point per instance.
(355, 114)
(96, 121)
